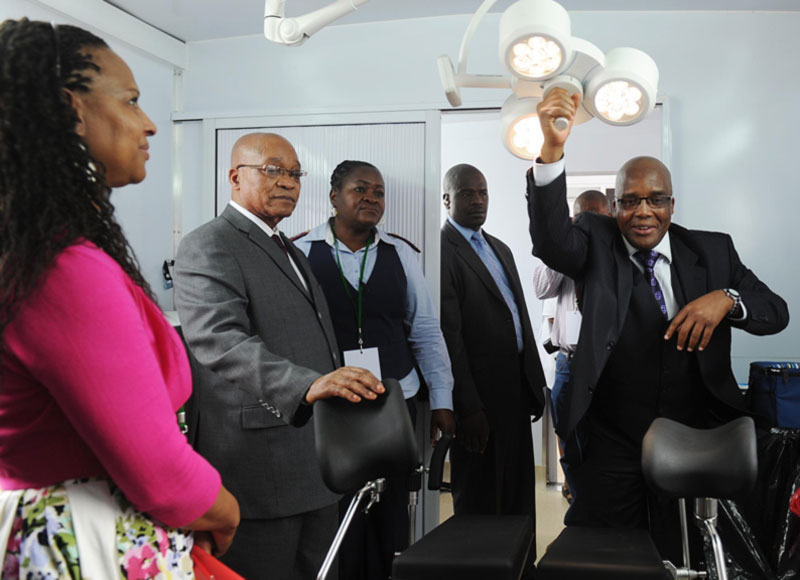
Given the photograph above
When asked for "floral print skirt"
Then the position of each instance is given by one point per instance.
(42, 542)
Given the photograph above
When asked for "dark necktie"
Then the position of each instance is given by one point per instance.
(648, 258)
(277, 239)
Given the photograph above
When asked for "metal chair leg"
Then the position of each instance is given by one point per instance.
(372, 491)
(705, 510)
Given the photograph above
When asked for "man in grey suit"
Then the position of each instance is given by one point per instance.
(252, 312)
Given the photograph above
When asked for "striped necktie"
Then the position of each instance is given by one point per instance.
(648, 259)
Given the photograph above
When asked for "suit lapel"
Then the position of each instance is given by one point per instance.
(467, 253)
(268, 246)
(691, 275)
(508, 267)
(624, 278)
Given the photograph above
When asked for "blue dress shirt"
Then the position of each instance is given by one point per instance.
(492, 263)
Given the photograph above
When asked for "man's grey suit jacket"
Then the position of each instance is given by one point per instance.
(247, 317)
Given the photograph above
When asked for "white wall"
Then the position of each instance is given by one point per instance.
(728, 79)
(144, 210)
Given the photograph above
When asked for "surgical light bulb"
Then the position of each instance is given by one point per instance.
(536, 57)
(618, 99)
(526, 136)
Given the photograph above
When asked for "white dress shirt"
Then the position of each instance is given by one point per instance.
(270, 232)
(549, 284)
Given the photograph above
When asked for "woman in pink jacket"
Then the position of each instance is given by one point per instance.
(97, 479)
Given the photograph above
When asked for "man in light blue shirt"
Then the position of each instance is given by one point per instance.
(499, 383)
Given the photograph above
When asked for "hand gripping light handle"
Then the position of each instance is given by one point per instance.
(569, 84)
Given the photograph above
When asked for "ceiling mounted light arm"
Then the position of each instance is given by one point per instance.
(453, 78)
(295, 31)
(467, 38)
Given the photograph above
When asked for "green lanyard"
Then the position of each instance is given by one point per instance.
(182, 420)
(346, 284)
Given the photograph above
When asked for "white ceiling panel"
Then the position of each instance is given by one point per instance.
(197, 20)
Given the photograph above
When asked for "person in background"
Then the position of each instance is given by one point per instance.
(547, 283)
(254, 314)
(97, 478)
(499, 383)
(384, 317)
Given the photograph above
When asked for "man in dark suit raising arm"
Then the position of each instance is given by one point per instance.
(253, 313)
(498, 377)
(658, 304)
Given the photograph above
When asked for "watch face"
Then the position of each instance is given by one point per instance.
(734, 292)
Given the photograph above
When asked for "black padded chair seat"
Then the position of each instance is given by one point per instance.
(582, 553)
(469, 547)
(679, 461)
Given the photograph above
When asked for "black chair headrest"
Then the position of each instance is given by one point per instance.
(359, 442)
(721, 463)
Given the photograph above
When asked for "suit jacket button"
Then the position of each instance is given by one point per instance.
(610, 345)
(590, 389)
(319, 315)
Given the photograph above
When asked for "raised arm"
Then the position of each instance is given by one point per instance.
(560, 245)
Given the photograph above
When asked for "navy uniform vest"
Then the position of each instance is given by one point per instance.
(383, 307)
(645, 376)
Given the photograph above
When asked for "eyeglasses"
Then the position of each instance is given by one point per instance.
(275, 171)
(658, 201)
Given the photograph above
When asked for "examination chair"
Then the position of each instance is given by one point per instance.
(677, 462)
(360, 445)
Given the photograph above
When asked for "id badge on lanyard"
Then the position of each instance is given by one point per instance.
(365, 358)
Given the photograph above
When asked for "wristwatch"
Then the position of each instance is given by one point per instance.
(736, 310)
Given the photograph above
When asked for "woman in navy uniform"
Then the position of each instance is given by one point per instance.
(385, 320)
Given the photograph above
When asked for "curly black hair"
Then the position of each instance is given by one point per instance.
(52, 191)
(344, 169)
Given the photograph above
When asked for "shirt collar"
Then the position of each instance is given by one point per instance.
(466, 232)
(663, 247)
(255, 219)
(323, 232)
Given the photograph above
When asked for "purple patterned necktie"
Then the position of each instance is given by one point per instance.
(648, 258)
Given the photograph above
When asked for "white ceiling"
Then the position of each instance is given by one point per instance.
(195, 20)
